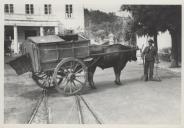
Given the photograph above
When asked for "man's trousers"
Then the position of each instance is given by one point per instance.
(148, 69)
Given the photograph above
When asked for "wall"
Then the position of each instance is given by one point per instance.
(58, 14)
(77, 20)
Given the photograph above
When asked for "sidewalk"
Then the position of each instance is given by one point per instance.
(166, 65)
(163, 65)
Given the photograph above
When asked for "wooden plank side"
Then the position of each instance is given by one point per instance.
(81, 48)
(48, 55)
(36, 57)
(48, 58)
(30, 48)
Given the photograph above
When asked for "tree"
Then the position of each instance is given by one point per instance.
(97, 20)
(150, 19)
(121, 27)
(171, 21)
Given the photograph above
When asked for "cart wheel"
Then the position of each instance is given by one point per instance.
(74, 75)
(44, 80)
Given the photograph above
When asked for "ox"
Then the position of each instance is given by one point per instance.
(111, 56)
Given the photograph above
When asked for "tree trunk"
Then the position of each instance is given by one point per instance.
(179, 44)
(155, 40)
(174, 50)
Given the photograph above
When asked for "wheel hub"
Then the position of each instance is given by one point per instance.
(71, 76)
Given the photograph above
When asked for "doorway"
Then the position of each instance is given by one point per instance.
(29, 33)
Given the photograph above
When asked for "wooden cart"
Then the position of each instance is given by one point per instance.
(55, 61)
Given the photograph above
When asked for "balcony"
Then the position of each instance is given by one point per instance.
(30, 19)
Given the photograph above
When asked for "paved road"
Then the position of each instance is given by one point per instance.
(134, 102)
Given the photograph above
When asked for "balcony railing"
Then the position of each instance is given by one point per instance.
(28, 17)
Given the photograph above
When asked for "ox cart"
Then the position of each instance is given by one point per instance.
(54, 60)
(59, 62)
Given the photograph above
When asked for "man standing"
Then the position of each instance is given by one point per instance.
(149, 54)
(7, 46)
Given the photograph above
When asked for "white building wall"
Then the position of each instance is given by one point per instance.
(77, 19)
(57, 18)
(58, 13)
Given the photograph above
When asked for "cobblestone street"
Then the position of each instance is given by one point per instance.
(134, 102)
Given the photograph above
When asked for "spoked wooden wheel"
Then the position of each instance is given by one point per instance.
(74, 75)
(45, 80)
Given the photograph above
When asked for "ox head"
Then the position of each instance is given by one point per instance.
(133, 54)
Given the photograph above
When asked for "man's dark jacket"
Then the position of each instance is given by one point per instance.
(150, 53)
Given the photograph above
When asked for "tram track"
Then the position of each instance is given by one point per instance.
(82, 108)
(40, 113)
(83, 114)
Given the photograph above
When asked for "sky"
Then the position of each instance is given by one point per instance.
(114, 5)
(102, 5)
(105, 8)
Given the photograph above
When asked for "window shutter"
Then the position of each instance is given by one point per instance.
(27, 9)
(66, 8)
(6, 8)
(70, 8)
(50, 11)
(11, 8)
(32, 9)
(45, 8)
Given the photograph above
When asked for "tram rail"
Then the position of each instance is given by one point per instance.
(80, 99)
(40, 113)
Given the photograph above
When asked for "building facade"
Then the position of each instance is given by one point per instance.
(37, 18)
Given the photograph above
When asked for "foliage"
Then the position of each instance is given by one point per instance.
(145, 18)
(100, 24)
(97, 16)
(150, 19)
(96, 21)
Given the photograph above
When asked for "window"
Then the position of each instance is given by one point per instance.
(29, 9)
(47, 8)
(68, 10)
(69, 31)
(8, 8)
(49, 31)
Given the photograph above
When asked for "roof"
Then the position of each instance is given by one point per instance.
(46, 39)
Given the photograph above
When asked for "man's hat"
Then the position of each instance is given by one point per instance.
(151, 41)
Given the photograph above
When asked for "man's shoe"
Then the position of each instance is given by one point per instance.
(145, 78)
(151, 79)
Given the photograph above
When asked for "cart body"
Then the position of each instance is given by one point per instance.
(47, 51)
